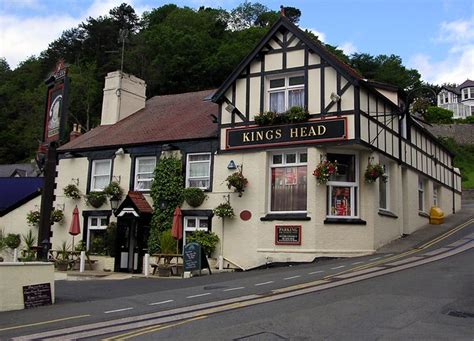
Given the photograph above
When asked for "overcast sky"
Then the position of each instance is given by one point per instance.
(434, 36)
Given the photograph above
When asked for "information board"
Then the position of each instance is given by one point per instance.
(192, 257)
(37, 295)
(288, 234)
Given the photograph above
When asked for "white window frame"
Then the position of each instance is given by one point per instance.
(354, 188)
(286, 88)
(421, 194)
(284, 164)
(386, 169)
(93, 175)
(188, 164)
(436, 195)
(137, 173)
(187, 229)
(91, 227)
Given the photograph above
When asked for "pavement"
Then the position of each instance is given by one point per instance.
(400, 245)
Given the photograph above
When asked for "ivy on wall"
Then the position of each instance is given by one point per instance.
(167, 193)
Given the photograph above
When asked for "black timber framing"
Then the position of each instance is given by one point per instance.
(306, 74)
(262, 83)
(340, 92)
(284, 62)
(356, 111)
(322, 88)
(288, 70)
(247, 94)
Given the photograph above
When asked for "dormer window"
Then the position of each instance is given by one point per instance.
(286, 92)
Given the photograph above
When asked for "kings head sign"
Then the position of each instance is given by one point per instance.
(313, 131)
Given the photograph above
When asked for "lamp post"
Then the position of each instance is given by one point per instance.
(114, 204)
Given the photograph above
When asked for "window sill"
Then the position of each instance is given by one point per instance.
(347, 221)
(389, 214)
(285, 216)
(423, 214)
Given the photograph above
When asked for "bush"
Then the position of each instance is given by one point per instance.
(167, 242)
(194, 196)
(438, 115)
(13, 240)
(208, 240)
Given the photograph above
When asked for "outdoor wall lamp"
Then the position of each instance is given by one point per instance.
(230, 108)
(335, 97)
(114, 204)
(231, 165)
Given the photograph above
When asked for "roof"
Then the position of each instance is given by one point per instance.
(18, 169)
(140, 202)
(316, 46)
(165, 118)
(465, 84)
(16, 191)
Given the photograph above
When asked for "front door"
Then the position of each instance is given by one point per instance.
(129, 257)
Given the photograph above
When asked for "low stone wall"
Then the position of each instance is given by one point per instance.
(461, 133)
(14, 276)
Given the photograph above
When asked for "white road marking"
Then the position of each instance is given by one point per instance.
(357, 263)
(162, 302)
(374, 258)
(231, 289)
(258, 284)
(338, 267)
(292, 277)
(199, 295)
(315, 272)
(117, 310)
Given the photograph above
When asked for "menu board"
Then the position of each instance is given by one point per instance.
(37, 295)
(288, 234)
(192, 257)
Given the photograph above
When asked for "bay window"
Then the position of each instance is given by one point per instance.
(144, 168)
(343, 187)
(286, 92)
(288, 181)
(100, 174)
(198, 170)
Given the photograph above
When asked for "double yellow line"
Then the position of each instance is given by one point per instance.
(407, 253)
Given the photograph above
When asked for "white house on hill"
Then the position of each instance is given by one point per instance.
(459, 100)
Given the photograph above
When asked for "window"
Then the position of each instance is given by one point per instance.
(286, 92)
(100, 174)
(144, 168)
(96, 236)
(421, 194)
(198, 170)
(384, 194)
(288, 181)
(436, 195)
(342, 187)
(192, 224)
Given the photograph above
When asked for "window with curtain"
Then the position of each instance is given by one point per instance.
(384, 190)
(100, 174)
(198, 170)
(96, 236)
(343, 187)
(421, 194)
(286, 92)
(144, 168)
(288, 181)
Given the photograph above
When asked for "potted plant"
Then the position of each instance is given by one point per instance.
(324, 170)
(12, 240)
(296, 114)
(167, 246)
(57, 216)
(373, 172)
(114, 191)
(71, 191)
(238, 181)
(194, 196)
(207, 240)
(28, 254)
(95, 199)
(265, 118)
(62, 259)
(224, 210)
(33, 218)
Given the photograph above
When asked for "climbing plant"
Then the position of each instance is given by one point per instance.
(167, 193)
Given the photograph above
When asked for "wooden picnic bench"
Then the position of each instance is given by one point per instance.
(167, 259)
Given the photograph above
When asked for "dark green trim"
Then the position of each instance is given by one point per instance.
(345, 221)
(285, 217)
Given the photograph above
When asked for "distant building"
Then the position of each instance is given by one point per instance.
(459, 100)
(19, 170)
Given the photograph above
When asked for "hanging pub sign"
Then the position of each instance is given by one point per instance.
(313, 131)
(55, 115)
(288, 234)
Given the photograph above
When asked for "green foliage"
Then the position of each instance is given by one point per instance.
(194, 196)
(167, 244)
(3, 244)
(12, 240)
(71, 191)
(95, 199)
(467, 120)
(29, 239)
(63, 254)
(57, 216)
(208, 240)
(373, 172)
(110, 239)
(113, 191)
(265, 118)
(293, 115)
(463, 159)
(98, 245)
(296, 114)
(224, 210)
(238, 181)
(154, 241)
(438, 115)
(33, 218)
(167, 194)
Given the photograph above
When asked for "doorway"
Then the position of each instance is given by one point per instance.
(131, 245)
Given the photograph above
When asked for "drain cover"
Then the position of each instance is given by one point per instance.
(463, 314)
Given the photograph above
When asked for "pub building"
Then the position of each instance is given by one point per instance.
(286, 213)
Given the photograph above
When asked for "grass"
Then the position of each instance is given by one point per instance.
(464, 160)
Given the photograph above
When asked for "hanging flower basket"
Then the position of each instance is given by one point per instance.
(373, 172)
(95, 199)
(71, 191)
(57, 216)
(224, 210)
(114, 191)
(194, 196)
(33, 218)
(324, 171)
(238, 181)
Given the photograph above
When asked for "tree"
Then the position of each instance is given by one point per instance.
(438, 115)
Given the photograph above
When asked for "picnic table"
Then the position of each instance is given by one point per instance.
(167, 259)
(73, 257)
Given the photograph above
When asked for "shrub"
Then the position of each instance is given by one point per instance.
(194, 196)
(167, 242)
(207, 240)
(266, 118)
(438, 115)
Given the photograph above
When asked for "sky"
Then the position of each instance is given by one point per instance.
(434, 36)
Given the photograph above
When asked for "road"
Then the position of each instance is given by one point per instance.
(423, 293)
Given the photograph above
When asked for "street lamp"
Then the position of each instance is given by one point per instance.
(114, 203)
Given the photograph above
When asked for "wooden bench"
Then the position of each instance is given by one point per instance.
(167, 258)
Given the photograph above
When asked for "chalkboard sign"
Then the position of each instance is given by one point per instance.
(288, 234)
(194, 258)
(37, 295)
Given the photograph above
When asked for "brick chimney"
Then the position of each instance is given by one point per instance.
(123, 95)
(76, 132)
